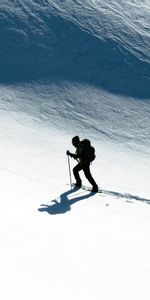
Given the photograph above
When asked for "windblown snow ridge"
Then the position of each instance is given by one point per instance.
(45, 39)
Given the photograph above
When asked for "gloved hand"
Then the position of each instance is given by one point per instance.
(68, 152)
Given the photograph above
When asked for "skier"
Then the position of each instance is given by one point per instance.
(83, 164)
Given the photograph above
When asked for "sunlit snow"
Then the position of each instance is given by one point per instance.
(74, 68)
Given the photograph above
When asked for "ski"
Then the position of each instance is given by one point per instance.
(87, 188)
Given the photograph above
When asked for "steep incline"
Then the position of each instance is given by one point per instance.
(102, 44)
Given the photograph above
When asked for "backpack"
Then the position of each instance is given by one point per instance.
(88, 152)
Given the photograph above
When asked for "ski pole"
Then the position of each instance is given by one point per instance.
(69, 171)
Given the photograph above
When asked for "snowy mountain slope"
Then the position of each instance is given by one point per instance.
(120, 21)
(82, 43)
(120, 125)
(122, 119)
(67, 68)
(119, 128)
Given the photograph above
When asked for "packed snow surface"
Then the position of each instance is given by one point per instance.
(74, 68)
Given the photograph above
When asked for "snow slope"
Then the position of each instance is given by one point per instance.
(70, 68)
(80, 42)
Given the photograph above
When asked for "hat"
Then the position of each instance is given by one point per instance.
(75, 139)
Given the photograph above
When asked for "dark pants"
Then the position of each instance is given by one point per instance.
(86, 169)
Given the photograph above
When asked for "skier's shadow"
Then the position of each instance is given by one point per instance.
(64, 204)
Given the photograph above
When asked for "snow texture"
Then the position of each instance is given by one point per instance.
(74, 68)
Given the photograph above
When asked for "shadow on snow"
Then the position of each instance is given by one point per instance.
(67, 52)
(64, 204)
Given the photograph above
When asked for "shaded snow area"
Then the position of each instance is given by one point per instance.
(74, 68)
